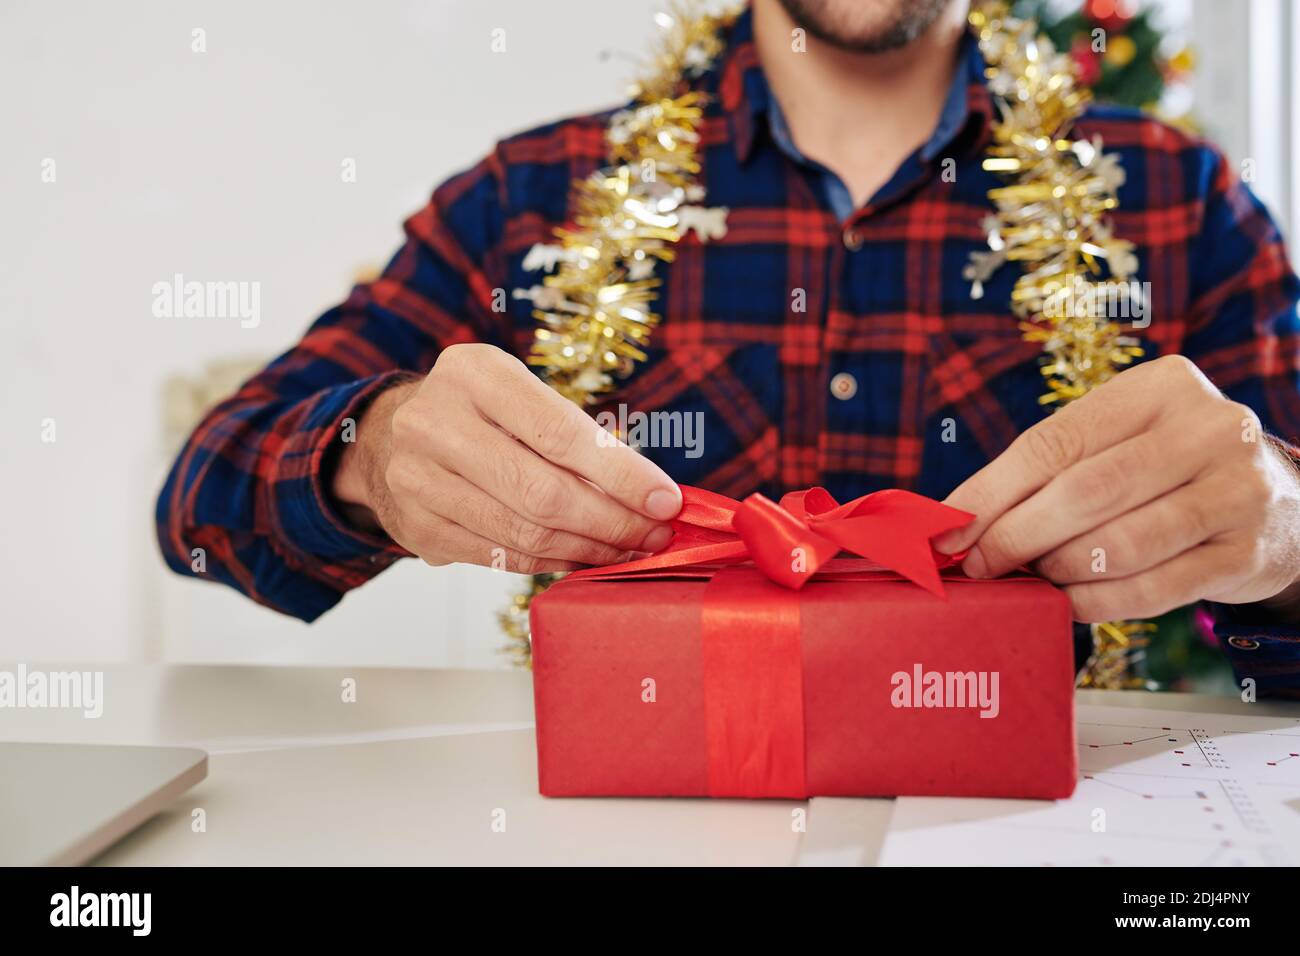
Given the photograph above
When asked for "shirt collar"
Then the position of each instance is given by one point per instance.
(748, 103)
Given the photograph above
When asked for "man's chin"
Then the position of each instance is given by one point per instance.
(865, 26)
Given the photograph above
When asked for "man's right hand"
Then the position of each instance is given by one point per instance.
(482, 463)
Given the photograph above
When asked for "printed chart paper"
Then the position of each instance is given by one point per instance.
(1155, 788)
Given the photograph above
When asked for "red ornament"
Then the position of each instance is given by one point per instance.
(1087, 59)
(1109, 14)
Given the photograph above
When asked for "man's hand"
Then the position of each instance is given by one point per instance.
(1149, 493)
(482, 463)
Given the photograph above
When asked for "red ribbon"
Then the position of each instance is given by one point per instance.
(792, 541)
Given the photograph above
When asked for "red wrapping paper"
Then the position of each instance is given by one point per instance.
(716, 681)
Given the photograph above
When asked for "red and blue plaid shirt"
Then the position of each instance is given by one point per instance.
(891, 374)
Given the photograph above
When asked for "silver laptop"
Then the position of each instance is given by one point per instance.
(62, 804)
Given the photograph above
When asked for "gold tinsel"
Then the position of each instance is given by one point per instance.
(1051, 218)
(595, 313)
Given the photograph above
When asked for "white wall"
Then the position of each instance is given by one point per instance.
(1247, 90)
(225, 165)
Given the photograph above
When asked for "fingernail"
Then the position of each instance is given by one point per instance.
(657, 538)
(948, 543)
(975, 566)
(663, 504)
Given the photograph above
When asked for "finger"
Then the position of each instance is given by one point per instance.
(1143, 538)
(561, 432)
(542, 493)
(476, 511)
(1098, 420)
(1086, 496)
(1181, 580)
(438, 541)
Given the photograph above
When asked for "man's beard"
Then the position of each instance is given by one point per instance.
(896, 23)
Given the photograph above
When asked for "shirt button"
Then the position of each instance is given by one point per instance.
(844, 386)
(1243, 643)
(852, 240)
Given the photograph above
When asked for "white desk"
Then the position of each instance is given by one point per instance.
(425, 768)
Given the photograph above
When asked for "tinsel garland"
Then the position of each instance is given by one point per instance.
(1051, 219)
(595, 311)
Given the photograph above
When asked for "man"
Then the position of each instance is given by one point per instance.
(828, 160)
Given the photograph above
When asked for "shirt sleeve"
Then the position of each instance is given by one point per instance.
(1243, 332)
(245, 502)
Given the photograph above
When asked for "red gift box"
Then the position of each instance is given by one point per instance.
(695, 673)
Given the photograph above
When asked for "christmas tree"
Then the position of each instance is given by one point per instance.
(1121, 54)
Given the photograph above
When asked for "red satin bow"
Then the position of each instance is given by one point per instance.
(791, 541)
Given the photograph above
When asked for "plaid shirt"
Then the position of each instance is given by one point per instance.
(841, 350)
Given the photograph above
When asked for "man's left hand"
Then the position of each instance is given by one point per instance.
(1150, 492)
